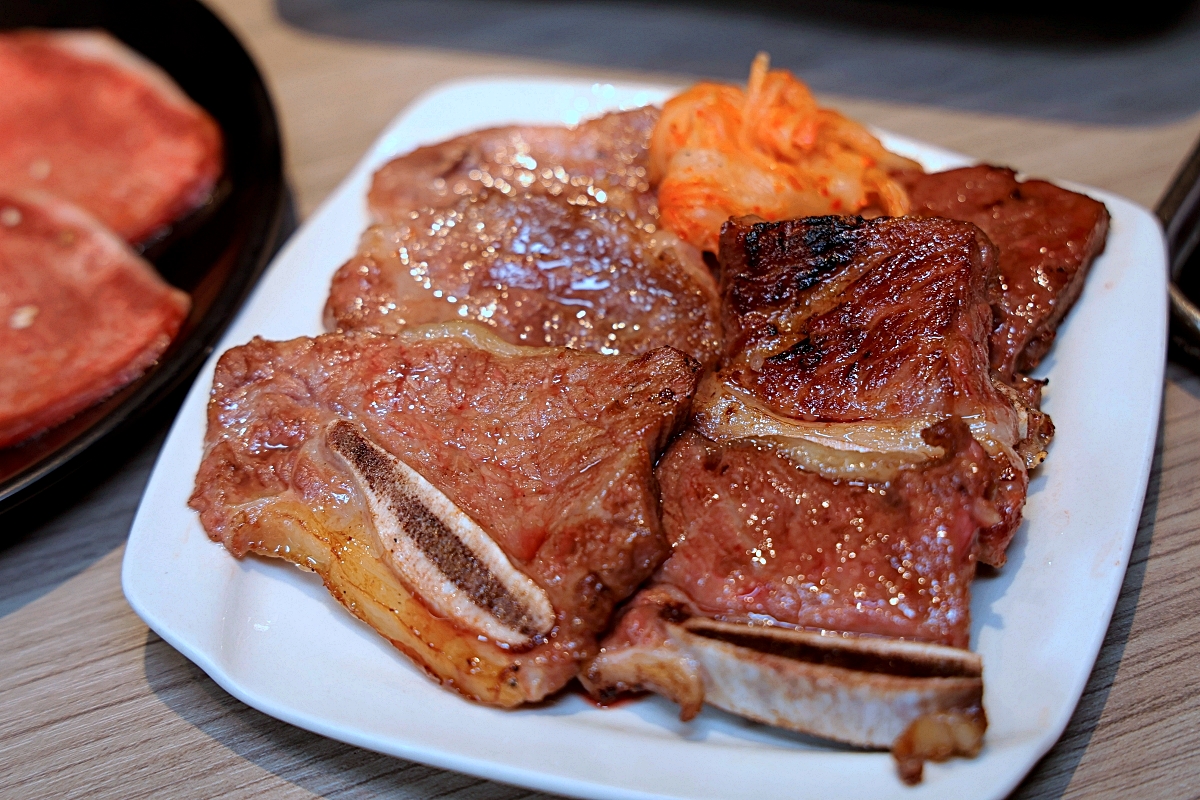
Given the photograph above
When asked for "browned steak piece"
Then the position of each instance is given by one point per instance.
(843, 319)
(483, 506)
(847, 466)
(1047, 236)
(536, 269)
(602, 160)
(786, 593)
(888, 558)
(879, 327)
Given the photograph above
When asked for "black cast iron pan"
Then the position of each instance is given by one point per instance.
(215, 255)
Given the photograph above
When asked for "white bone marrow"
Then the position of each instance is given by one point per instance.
(444, 555)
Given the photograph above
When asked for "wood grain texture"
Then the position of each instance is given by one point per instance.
(94, 705)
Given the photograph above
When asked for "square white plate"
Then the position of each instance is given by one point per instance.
(271, 636)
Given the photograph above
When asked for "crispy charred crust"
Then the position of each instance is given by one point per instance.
(771, 265)
(845, 319)
(754, 249)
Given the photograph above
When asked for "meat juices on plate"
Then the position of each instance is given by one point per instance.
(1048, 238)
(845, 469)
(81, 314)
(548, 236)
(483, 506)
(86, 118)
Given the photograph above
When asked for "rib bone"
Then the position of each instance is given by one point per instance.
(864, 691)
(441, 552)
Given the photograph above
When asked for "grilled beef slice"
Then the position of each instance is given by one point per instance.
(1047, 239)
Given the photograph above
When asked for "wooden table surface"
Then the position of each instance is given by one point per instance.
(94, 704)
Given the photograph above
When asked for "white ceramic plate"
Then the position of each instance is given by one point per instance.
(271, 636)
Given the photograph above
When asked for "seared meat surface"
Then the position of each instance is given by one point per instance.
(546, 235)
(86, 118)
(537, 270)
(598, 161)
(753, 537)
(851, 321)
(394, 466)
(786, 593)
(843, 319)
(1048, 238)
(81, 314)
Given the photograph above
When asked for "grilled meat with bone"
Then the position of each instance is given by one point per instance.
(1048, 238)
(483, 506)
(81, 314)
(846, 468)
(782, 583)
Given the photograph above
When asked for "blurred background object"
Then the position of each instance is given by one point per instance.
(1118, 65)
(1179, 212)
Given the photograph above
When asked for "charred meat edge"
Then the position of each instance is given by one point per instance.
(922, 701)
(439, 551)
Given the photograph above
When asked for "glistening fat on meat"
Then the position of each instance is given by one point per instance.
(537, 270)
(548, 236)
(845, 469)
(833, 320)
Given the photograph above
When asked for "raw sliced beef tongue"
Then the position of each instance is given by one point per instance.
(1048, 238)
(537, 270)
(598, 161)
(81, 314)
(845, 469)
(88, 119)
(483, 506)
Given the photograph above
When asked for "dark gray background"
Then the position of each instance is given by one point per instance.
(1096, 66)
